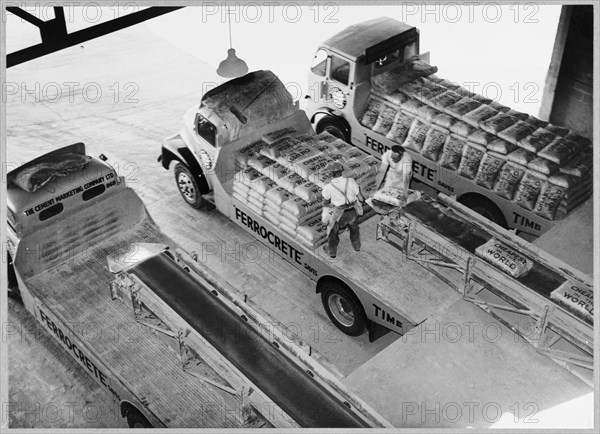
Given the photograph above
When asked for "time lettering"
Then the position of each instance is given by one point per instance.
(524, 221)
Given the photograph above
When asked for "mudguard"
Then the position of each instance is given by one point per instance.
(175, 149)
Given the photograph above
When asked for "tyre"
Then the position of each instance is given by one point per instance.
(486, 208)
(188, 186)
(13, 285)
(343, 308)
(15, 294)
(135, 419)
(333, 128)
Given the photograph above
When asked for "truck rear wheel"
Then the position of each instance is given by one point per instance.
(135, 419)
(486, 208)
(333, 128)
(343, 308)
(13, 284)
(188, 186)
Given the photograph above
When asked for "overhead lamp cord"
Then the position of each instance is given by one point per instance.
(229, 22)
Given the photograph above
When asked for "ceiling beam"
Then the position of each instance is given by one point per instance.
(55, 37)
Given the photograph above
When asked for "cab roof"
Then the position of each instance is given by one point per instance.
(354, 41)
(249, 102)
(23, 193)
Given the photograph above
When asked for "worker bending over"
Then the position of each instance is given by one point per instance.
(341, 207)
(396, 169)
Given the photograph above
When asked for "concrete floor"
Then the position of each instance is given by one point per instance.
(571, 240)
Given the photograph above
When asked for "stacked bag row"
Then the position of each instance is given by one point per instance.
(281, 177)
(542, 167)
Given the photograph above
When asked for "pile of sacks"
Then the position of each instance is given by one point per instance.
(281, 177)
(542, 167)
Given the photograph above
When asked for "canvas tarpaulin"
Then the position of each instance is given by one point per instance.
(250, 102)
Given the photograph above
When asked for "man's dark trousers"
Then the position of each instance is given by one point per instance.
(350, 220)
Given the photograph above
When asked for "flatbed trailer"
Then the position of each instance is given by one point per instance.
(443, 235)
(125, 302)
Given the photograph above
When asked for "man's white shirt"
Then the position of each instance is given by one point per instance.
(399, 174)
(341, 191)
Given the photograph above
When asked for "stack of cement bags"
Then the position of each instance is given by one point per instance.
(542, 167)
(281, 177)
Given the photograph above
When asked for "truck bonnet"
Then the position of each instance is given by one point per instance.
(249, 103)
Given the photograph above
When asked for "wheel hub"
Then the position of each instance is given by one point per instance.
(186, 187)
(341, 310)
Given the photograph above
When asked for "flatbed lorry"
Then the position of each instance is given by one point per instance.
(205, 154)
(250, 124)
(150, 325)
(364, 88)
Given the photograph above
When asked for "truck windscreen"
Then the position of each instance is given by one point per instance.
(206, 129)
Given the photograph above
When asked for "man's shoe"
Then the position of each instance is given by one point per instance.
(326, 250)
(357, 250)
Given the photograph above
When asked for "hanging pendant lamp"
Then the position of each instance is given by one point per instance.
(233, 66)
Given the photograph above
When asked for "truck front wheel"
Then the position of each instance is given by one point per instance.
(332, 128)
(343, 308)
(188, 186)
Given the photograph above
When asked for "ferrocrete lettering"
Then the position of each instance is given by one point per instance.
(285, 248)
(85, 361)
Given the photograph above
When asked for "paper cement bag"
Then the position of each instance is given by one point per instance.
(576, 298)
(504, 258)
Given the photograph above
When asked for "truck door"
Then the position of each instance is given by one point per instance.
(330, 80)
(207, 145)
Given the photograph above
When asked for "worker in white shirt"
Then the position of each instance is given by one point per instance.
(342, 206)
(395, 169)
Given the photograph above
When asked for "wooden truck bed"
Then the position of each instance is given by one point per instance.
(380, 270)
(78, 293)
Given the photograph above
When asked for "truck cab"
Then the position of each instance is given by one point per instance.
(224, 115)
(343, 65)
(36, 198)
(57, 207)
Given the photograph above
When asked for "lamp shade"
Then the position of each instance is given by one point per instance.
(232, 66)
